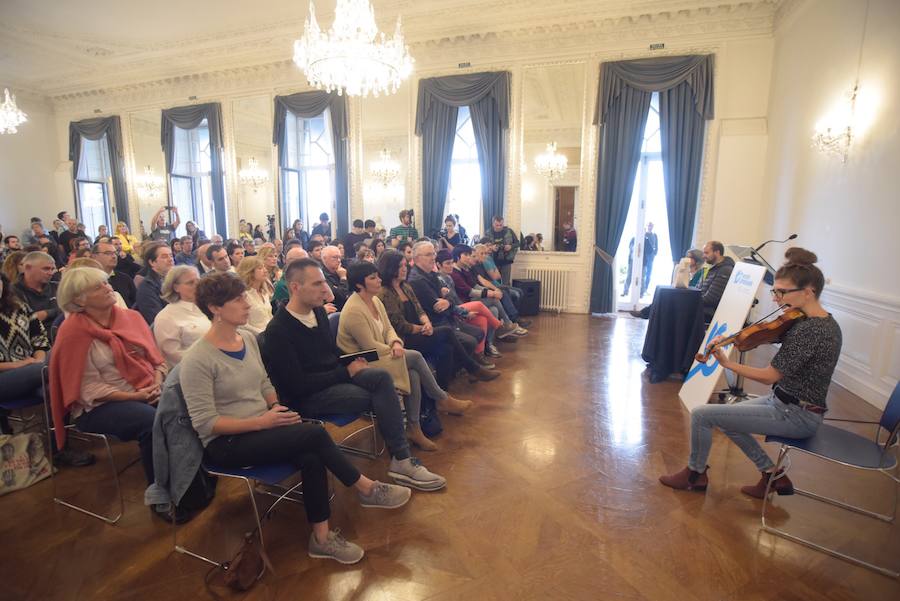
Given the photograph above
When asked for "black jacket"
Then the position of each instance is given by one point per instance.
(124, 285)
(713, 286)
(427, 287)
(301, 361)
(338, 288)
(149, 302)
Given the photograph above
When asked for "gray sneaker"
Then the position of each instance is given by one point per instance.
(409, 472)
(385, 496)
(336, 547)
(505, 331)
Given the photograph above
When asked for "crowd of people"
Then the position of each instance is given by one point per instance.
(245, 328)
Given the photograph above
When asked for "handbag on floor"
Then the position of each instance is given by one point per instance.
(23, 461)
(245, 569)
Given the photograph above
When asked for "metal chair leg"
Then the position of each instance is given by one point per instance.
(115, 473)
(354, 450)
(782, 455)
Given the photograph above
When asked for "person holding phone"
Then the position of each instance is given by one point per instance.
(161, 230)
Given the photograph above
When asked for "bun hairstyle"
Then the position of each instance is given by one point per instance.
(800, 268)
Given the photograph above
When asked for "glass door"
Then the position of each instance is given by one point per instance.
(644, 256)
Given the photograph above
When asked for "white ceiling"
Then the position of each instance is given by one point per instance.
(58, 46)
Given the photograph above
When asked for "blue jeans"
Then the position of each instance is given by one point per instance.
(126, 420)
(21, 382)
(765, 415)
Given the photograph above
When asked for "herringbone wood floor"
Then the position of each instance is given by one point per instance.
(552, 495)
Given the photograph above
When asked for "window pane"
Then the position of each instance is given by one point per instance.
(318, 193)
(92, 210)
(94, 163)
(309, 176)
(290, 200)
(464, 195)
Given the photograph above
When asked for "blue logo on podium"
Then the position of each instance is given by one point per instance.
(708, 368)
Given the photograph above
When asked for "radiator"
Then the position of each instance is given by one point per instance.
(554, 287)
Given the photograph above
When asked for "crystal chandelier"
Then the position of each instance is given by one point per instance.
(253, 176)
(352, 57)
(834, 134)
(149, 185)
(385, 169)
(10, 115)
(550, 163)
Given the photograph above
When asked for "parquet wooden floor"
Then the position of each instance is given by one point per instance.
(552, 494)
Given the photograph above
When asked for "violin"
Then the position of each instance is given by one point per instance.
(757, 334)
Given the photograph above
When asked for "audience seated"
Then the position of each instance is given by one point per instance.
(364, 325)
(253, 273)
(269, 256)
(282, 292)
(489, 276)
(180, 323)
(23, 345)
(12, 265)
(157, 263)
(335, 275)
(125, 263)
(301, 358)
(128, 241)
(37, 288)
(217, 256)
(468, 287)
(111, 371)
(105, 254)
(356, 236)
(716, 278)
(185, 256)
(441, 310)
(195, 233)
(235, 411)
(437, 343)
(235, 252)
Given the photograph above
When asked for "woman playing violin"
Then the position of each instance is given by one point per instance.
(800, 374)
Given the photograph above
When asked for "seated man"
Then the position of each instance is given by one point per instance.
(335, 275)
(157, 263)
(281, 295)
(717, 277)
(301, 358)
(468, 287)
(105, 254)
(37, 288)
(486, 271)
(218, 258)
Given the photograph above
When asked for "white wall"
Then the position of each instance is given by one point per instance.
(847, 213)
(33, 178)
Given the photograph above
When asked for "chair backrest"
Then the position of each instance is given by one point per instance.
(334, 320)
(890, 419)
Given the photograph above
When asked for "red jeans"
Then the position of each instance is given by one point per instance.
(481, 317)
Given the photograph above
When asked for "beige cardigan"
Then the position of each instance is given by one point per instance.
(357, 331)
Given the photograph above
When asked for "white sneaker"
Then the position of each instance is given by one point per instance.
(520, 331)
(336, 547)
(410, 472)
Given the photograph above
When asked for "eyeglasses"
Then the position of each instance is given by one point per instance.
(776, 292)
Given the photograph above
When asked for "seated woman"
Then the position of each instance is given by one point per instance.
(180, 323)
(365, 325)
(128, 240)
(800, 374)
(106, 370)
(259, 293)
(695, 267)
(23, 344)
(269, 257)
(235, 411)
(410, 321)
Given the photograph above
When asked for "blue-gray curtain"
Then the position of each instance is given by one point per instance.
(685, 85)
(620, 150)
(307, 105)
(487, 96)
(94, 129)
(189, 117)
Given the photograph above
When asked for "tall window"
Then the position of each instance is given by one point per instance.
(464, 195)
(191, 178)
(92, 185)
(307, 184)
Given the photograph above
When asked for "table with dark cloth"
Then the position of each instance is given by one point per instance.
(675, 331)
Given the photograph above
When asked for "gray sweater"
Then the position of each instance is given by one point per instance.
(215, 385)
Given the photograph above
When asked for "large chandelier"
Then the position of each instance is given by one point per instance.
(253, 176)
(10, 115)
(348, 58)
(385, 169)
(149, 186)
(550, 163)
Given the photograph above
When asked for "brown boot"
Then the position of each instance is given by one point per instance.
(687, 479)
(782, 485)
(484, 375)
(417, 437)
(453, 406)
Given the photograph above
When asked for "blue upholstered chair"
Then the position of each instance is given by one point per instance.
(836, 445)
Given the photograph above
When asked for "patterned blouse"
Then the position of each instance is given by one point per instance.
(20, 335)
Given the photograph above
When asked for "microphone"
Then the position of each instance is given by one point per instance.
(758, 248)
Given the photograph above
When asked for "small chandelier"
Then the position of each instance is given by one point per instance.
(149, 185)
(352, 57)
(253, 176)
(10, 115)
(550, 163)
(385, 169)
(834, 137)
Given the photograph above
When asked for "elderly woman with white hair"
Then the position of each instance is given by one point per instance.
(180, 324)
(105, 370)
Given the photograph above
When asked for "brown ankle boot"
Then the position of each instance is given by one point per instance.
(782, 485)
(483, 375)
(417, 437)
(687, 479)
(453, 406)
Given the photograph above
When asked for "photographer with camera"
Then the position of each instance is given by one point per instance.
(406, 231)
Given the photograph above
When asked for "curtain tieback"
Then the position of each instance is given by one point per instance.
(604, 255)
